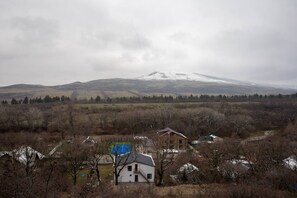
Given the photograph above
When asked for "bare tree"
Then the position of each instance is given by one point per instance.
(34, 118)
(97, 152)
(240, 124)
(207, 120)
(73, 156)
(215, 155)
(12, 118)
(120, 160)
(71, 118)
(164, 159)
(166, 114)
(59, 121)
(267, 154)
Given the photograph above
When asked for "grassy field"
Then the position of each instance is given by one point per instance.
(106, 173)
(123, 105)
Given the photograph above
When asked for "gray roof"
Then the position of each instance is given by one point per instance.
(139, 158)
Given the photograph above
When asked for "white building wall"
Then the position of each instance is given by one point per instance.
(129, 176)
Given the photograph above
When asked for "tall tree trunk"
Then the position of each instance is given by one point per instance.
(49, 178)
(117, 180)
(116, 175)
(74, 179)
(160, 182)
(98, 174)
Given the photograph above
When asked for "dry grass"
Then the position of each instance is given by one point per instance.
(205, 191)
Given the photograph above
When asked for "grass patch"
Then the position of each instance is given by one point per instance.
(106, 172)
(83, 174)
(122, 106)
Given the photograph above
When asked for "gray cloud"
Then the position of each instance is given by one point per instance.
(135, 42)
(34, 30)
(43, 42)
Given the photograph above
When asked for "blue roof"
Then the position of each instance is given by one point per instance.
(120, 148)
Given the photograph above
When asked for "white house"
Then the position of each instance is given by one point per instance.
(137, 168)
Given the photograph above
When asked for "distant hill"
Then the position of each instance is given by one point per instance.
(156, 83)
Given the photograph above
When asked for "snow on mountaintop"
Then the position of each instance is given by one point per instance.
(183, 76)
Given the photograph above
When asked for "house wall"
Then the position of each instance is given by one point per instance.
(129, 176)
(144, 149)
(173, 141)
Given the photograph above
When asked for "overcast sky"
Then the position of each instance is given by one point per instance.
(61, 41)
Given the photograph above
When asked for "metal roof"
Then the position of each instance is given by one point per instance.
(139, 158)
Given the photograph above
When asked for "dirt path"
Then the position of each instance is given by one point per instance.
(267, 134)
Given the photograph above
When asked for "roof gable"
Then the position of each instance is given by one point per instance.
(26, 154)
(168, 131)
(138, 158)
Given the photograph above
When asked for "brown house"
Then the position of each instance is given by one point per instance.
(170, 139)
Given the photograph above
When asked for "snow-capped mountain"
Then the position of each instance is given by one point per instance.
(190, 77)
(181, 76)
(156, 83)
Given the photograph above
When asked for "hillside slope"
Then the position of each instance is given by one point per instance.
(153, 84)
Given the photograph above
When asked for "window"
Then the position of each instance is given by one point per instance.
(129, 168)
(149, 176)
(181, 145)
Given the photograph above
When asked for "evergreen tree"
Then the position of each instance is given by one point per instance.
(26, 100)
(14, 101)
(97, 99)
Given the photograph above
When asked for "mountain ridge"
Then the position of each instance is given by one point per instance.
(155, 83)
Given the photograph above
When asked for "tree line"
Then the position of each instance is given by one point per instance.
(149, 99)
(46, 99)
